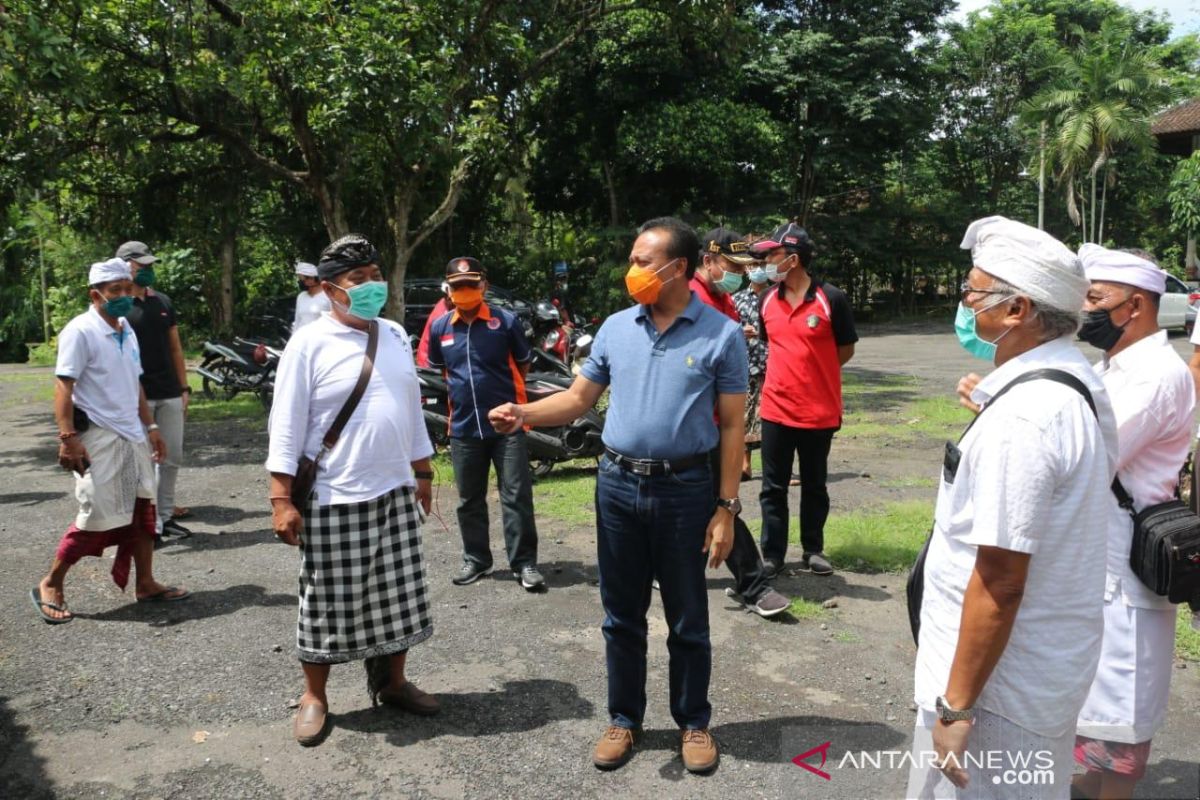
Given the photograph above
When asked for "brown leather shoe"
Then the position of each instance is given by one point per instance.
(411, 699)
(309, 724)
(615, 747)
(699, 750)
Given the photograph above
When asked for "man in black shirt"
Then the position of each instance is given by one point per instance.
(164, 375)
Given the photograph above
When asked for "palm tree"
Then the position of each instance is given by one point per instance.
(1101, 96)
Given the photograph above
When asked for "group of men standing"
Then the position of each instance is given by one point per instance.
(1038, 643)
(120, 401)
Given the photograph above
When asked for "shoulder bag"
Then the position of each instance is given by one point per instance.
(1165, 554)
(306, 470)
(915, 587)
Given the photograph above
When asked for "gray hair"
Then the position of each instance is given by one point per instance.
(1054, 322)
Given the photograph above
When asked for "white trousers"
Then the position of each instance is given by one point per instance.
(1003, 760)
(168, 415)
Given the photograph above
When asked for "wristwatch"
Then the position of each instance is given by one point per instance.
(948, 713)
(732, 505)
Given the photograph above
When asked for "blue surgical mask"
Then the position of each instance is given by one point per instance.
(964, 326)
(758, 275)
(118, 306)
(729, 282)
(367, 299)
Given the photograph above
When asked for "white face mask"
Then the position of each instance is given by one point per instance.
(773, 273)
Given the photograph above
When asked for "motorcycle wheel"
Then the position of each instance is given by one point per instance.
(216, 391)
(542, 467)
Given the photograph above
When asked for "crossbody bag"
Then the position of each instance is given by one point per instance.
(306, 470)
(915, 587)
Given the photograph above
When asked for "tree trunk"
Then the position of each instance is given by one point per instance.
(1103, 203)
(1092, 232)
(395, 279)
(614, 208)
(228, 263)
(333, 212)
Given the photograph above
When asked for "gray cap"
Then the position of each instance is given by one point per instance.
(136, 251)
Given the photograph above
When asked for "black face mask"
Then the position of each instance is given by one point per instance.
(1098, 329)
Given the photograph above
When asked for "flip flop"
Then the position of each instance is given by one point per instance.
(165, 596)
(35, 594)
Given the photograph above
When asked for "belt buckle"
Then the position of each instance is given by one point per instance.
(640, 467)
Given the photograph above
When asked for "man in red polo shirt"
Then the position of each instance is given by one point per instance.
(724, 257)
(810, 330)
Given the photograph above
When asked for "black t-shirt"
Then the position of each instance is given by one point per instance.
(152, 319)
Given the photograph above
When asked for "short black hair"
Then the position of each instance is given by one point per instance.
(683, 243)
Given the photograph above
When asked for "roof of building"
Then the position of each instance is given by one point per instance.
(1183, 118)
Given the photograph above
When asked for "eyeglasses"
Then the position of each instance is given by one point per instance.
(966, 289)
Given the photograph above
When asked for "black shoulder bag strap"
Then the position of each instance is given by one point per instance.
(915, 587)
(364, 376)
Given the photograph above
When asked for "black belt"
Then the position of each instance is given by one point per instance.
(655, 466)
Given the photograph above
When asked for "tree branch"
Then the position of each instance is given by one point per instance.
(442, 213)
(585, 21)
(226, 13)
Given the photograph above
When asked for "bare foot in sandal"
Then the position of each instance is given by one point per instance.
(157, 592)
(53, 602)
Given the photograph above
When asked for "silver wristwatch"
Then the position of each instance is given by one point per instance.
(948, 713)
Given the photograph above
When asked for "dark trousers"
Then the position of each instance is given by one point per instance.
(649, 527)
(781, 446)
(472, 459)
(744, 561)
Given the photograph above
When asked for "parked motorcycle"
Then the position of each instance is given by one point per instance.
(547, 446)
(244, 365)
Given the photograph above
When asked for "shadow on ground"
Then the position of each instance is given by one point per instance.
(198, 605)
(21, 771)
(517, 707)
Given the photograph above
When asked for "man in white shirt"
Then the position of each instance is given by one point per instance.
(1153, 397)
(103, 421)
(312, 302)
(1014, 577)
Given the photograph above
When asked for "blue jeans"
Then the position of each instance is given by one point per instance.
(472, 459)
(649, 527)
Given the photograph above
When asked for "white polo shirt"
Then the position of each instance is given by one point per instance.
(1153, 396)
(1033, 478)
(106, 365)
(386, 432)
(309, 308)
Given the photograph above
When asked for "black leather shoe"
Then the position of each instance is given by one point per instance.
(174, 529)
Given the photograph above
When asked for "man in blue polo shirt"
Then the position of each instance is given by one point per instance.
(668, 361)
(484, 354)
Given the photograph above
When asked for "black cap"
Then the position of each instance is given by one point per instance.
(728, 243)
(465, 268)
(790, 237)
(136, 251)
(351, 251)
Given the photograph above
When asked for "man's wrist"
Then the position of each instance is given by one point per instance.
(152, 427)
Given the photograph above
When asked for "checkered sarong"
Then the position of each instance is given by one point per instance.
(362, 583)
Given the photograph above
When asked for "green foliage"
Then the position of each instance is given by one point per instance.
(1187, 640)
(1184, 196)
(886, 540)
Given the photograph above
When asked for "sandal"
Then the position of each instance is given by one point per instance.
(35, 594)
(166, 595)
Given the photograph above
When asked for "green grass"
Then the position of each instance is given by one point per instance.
(846, 637)
(909, 483)
(28, 388)
(1187, 641)
(936, 416)
(802, 608)
(566, 496)
(880, 540)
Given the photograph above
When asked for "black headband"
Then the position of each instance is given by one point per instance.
(348, 252)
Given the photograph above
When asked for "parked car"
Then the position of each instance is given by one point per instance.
(422, 294)
(1175, 305)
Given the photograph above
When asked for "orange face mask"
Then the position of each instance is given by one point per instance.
(644, 284)
(467, 297)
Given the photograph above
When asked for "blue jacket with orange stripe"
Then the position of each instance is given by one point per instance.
(481, 359)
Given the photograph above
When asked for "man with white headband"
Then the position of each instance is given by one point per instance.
(1013, 585)
(312, 301)
(1153, 396)
(108, 439)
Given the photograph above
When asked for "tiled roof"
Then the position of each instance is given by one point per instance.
(1183, 118)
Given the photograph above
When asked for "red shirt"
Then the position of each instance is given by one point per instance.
(803, 384)
(720, 301)
(439, 309)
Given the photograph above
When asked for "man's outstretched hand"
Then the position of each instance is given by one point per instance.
(507, 418)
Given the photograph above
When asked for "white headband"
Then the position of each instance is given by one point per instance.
(1113, 266)
(1034, 262)
(114, 269)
